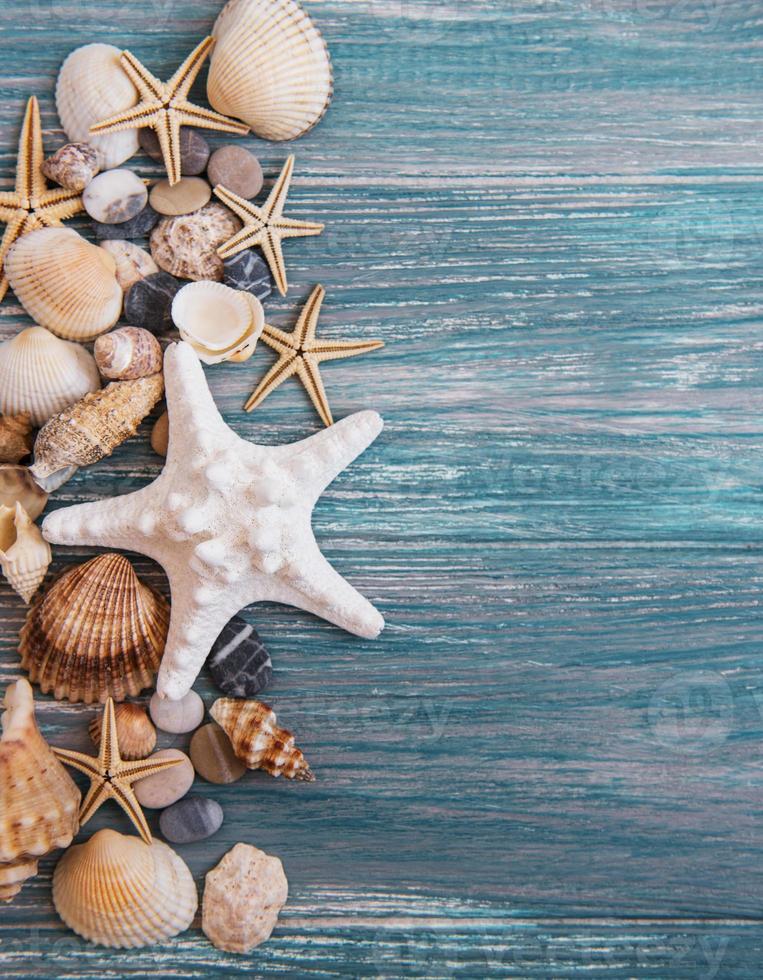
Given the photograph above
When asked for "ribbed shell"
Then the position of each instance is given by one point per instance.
(135, 733)
(15, 437)
(91, 87)
(95, 426)
(127, 354)
(270, 67)
(26, 561)
(118, 891)
(257, 740)
(42, 375)
(65, 283)
(97, 631)
(39, 803)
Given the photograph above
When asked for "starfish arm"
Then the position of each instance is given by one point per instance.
(132, 772)
(95, 798)
(125, 797)
(148, 85)
(108, 755)
(291, 228)
(58, 206)
(10, 203)
(143, 114)
(248, 212)
(334, 350)
(273, 207)
(310, 376)
(273, 255)
(111, 523)
(167, 128)
(284, 367)
(249, 237)
(180, 84)
(30, 181)
(304, 332)
(196, 115)
(195, 422)
(79, 761)
(278, 340)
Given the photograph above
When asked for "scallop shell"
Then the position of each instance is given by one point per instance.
(97, 632)
(257, 740)
(42, 375)
(92, 86)
(135, 733)
(39, 803)
(118, 891)
(219, 322)
(95, 426)
(26, 561)
(127, 354)
(15, 437)
(17, 484)
(270, 67)
(65, 283)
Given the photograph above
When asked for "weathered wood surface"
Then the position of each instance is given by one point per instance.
(549, 764)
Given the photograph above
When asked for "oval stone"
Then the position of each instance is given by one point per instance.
(239, 663)
(236, 169)
(115, 196)
(191, 819)
(213, 756)
(137, 227)
(194, 149)
(177, 717)
(250, 272)
(168, 786)
(188, 195)
(160, 434)
(148, 302)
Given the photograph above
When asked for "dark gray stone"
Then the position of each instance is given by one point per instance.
(239, 663)
(148, 302)
(191, 819)
(248, 270)
(194, 150)
(137, 227)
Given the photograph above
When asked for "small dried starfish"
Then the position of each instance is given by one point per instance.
(266, 226)
(164, 107)
(300, 353)
(111, 777)
(32, 204)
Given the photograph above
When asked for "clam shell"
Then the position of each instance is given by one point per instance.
(135, 733)
(217, 321)
(270, 67)
(17, 484)
(26, 561)
(97, 632)
(92, 86)
(257, 740)
(15, 437)
(65, 283)
(128, 353)
(118, 891)
(42, 375)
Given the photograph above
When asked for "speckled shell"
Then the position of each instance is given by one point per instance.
(135, 733)
(26, 561)
(15, 437)
(17, 484)
(270, 67)
(127, 354)
(65, 283)
(257, 740)
(93, 86)
(41, 374)
(132, 261)
(97, 631)
(185, 245)
(95, 426)
(118, 891)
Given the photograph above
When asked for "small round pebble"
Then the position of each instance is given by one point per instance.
(194, 149)
(248, 271)
(115, 196)
(191, 819)
(160, 434)
(168, 786)
(137, 227)
(237, 169)
(177, 717)
(73, 166)
(148, 302)
(239, 663)
(213, 756)
(188, 195)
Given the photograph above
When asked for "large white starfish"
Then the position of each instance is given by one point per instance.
(229, 521)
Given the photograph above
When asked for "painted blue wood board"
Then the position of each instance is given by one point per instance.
(549, 765)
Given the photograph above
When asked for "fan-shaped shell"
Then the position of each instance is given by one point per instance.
(97, 631)
(257, 740)
(65, 283)
(91, 87)
(25, 561)
(270, 67)
(135, 733)
(219, 322)
(118, 891)
(42, 375)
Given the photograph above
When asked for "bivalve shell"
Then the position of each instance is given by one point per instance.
(257, 740)
(127, 354)
(135, 733)
(220, 323)
(26, 561)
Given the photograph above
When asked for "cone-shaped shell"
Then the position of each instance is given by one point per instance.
(65, 283)
(97, 631)
(95, 426)
(26, 561)
(135, 733)
(42, 375)
(270, 67)
(93, 86)
(257, 740)
(118, 891)
(15, 437)
(127, 354)
(13, 875)
(39, 803)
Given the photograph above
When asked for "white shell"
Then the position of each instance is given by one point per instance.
(43, 375)
(270, 67)
(26, 561)
(91, 87)
(220, 323)
(132, 261)
(65, 283)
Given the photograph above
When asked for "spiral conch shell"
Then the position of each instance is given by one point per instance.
(127, 354)
(257, 740)
(220, 323)
(15, 437)
(97, 631)
(25, 561)
(39, 803)
(270, 67)
(65, 283)
(118, 891)
(41, 374)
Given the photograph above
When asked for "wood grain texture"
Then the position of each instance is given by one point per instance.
(550, 762)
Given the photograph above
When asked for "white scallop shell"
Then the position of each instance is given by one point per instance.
(65, 283)
(270, 67)
(43, 375)
(219, 322)
(26, 561)
(91, 87)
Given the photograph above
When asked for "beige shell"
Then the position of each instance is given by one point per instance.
(65, 283)
(132, 261)
(17, 484)
(127, 354)
(135, 733)
(93, 86)
(242, 898)
(39, 802)
(257, 740)
(42, 375)
(15, 437)
(7, 526)
(97, 632)
(270, 67)
(118, 891)
(220, 323)
(95, 426)
(26, 561)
